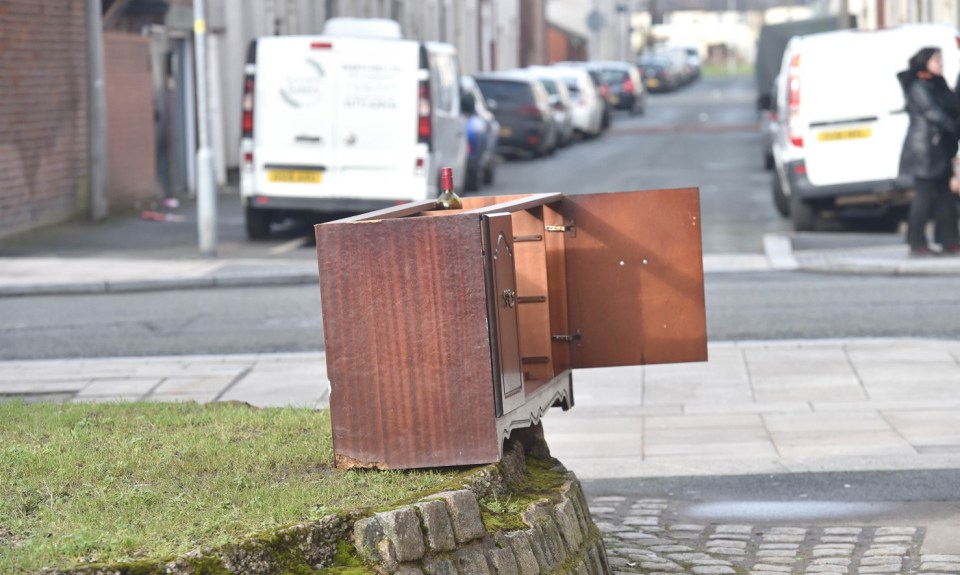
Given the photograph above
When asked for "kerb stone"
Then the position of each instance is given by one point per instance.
(367, 534)
(504, 562)
(569, 525)
(464, 514)
(402, 528)
(472, 561)
(527, 562)
(439, 567)
(437, 522)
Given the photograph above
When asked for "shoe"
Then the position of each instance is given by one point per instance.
(950, 250)
(921, 252)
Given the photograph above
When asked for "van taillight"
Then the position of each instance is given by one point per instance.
(321, 45)
(793, 103)
(248, 159)
(424, 123)
(627, 86)
(247, 120)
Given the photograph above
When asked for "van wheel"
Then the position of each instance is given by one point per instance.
(257, 222)
(472, 181)
(802, 214)
(488, 174)
(780, 200)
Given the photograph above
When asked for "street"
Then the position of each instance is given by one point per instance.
(704, 136)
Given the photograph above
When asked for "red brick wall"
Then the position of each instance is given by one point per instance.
(130, 129)
(43, 112)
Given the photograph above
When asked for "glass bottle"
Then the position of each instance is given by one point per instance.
(448, 200)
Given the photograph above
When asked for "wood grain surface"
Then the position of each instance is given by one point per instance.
(635, 278)
(408, 351)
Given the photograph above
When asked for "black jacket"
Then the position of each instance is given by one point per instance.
(931, 141)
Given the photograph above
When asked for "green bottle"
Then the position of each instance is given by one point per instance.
(448, 200)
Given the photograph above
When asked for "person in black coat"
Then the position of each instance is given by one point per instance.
(929, 150)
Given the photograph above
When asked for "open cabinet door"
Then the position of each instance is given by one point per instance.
(635, 278)
(502, 305)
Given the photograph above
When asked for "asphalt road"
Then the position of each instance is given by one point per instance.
(739, 306)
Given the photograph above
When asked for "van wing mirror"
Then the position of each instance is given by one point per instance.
(492, 104)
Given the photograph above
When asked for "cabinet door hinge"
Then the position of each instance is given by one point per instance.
(575, 337)
(570, 227)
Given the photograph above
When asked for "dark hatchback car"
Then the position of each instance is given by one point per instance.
(657, 76)
(624, 84)
(522, 106)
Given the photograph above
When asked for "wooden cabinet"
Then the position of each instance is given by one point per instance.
(445, 330)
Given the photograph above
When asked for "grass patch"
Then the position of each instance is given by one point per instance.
(506, 512)
(714, 70)
(111, 483)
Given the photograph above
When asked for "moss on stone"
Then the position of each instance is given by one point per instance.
(505, 513)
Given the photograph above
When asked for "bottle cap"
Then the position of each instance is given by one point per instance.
(446, 178)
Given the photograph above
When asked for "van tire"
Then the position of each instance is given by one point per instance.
(488, 174)
(768, 162)
(780, 200)
(257, 223)
(802, 214)
(472, 181)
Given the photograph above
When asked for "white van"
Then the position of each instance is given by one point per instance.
(842, 120)
(338, 125)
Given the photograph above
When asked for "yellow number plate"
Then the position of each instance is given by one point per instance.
(853, 134)
(653, 82)
(614, 100)
(506, 132)
(295, 176)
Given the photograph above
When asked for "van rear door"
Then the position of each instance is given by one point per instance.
(295, 101)
(852, 104)
(377, 120)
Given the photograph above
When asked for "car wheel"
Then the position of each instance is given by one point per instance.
(472, 181)
(257, 223)
(802, 214)
(768, 161)
(780, 200)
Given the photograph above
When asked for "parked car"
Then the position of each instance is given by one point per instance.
(600, 85)
(656, 75)
(604, 90)
(522, 106)
(559, 101)
(625, 85)
(316, 138)
(586, 104)
(842, 121)
(483, 133)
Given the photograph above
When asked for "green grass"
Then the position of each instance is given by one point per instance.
(713, 70)
(123, 482)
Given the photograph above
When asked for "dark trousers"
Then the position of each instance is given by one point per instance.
(933, 199)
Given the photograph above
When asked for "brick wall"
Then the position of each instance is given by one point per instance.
(43, 112)
(130, 129)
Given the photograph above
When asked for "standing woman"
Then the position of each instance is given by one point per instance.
(928, 151)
